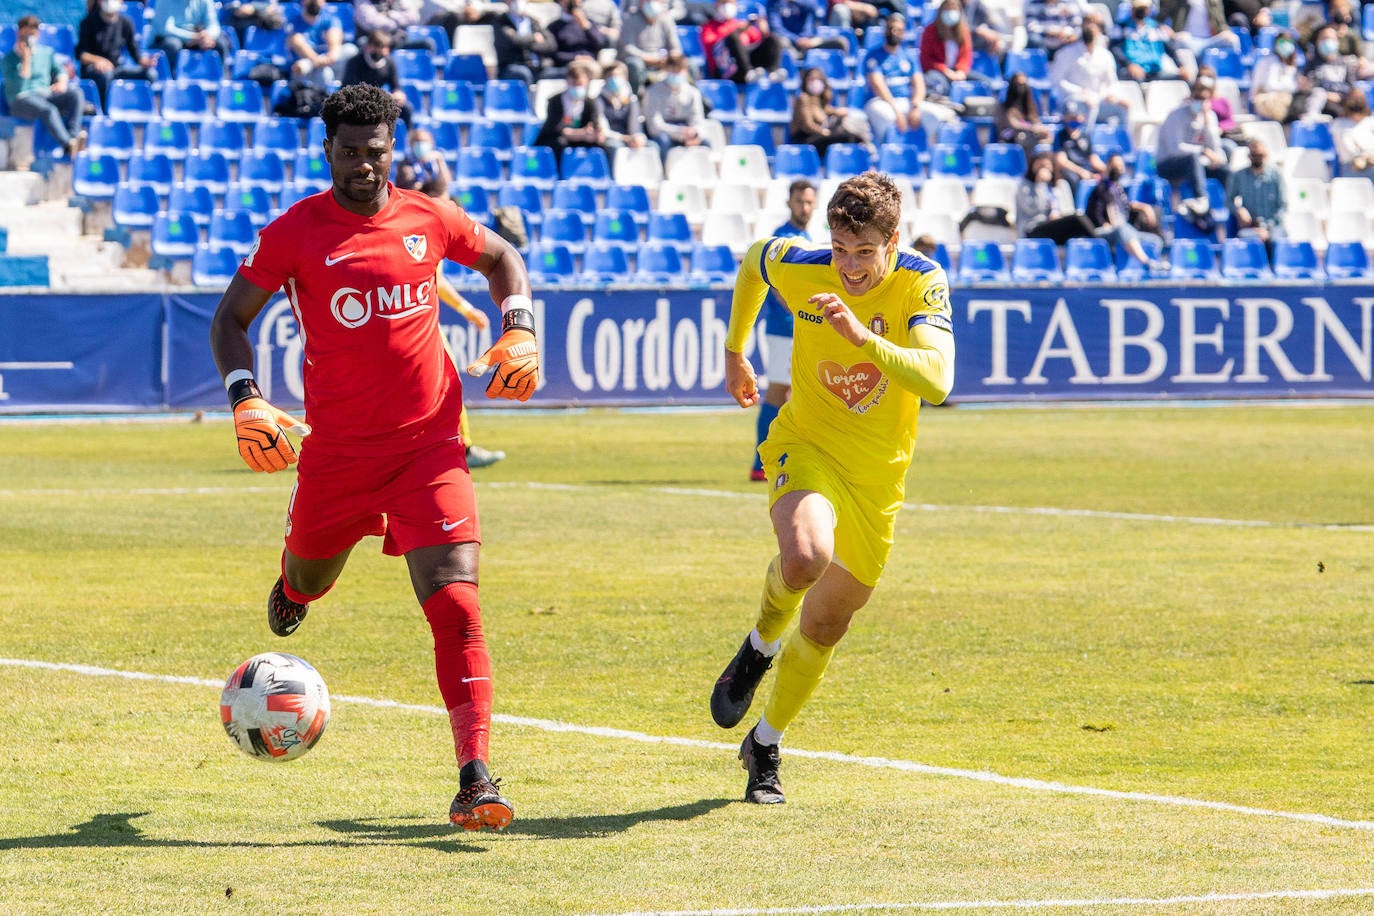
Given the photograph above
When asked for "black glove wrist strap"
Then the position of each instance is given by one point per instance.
(242, 390)
(518, 318)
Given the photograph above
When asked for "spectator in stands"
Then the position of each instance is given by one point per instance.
(523, 45)
(896, 88)
(316, 41)
(738, 49)
(1197, 25)
(674, 114)
(1354, 133)
(794, 22)
(1255, 195)
(574, 36)
(1232, 137)
(1190, 148)
(191, 24)
(1116, 218)
(423, 168)
(946, 53)
(648, 36)
(991, 28)
(1016, 119)
(858, 14)
(449, 14)
(1036, 200)
(925, 243)
(574, 118)
(1248, 14)
(1276, 84)
(817, 122)
(1143, 51)
(104, 33)
(624, 119)
(245, 14)
(37, 87)
(605, 15)
(375, 67)
(390, 18)
(1085, 72)
(1052, 24)
(1074, 156)
(1341, 15)
(1330, 74)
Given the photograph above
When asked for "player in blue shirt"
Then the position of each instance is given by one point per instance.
(777, 321)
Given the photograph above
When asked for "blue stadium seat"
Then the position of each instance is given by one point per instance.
(902, 161)
(1004, 160)
(1089, 260)
(797, 160)
(314, 133)
(131, 100)
(209, 170)
(1034, 62)
(1086, 186)
(534, 165)
(59, 36)
(689, 37)
(227, 137)
(265, 170)
(768, 102)
(745, 132)
(1107, 139)
(175, 235)
(1193, 259)
(91, 94)
(549, 264)
(1296, 260)
(1229, 64)
(629, 198)
(252, 199)
(270, 43)
(232, 229)
(671, 228)
(278, 135)
(343, 9)
(941, 256)
(445, 133)
(475, 201)
(565, 227)
(95, 176)
(310, 169)
(833, 62)
(1128, 269)
(1315, 135)
(843, 160)
(415, 67)
(575, 195)
(153, 169)
(239, 100)
(658, 262)
(170, 138)
(134, 206)
(213, 267)
(604, 262)
(194, 201)
(915, 136)
(1347, 260)
(1036, 261)
(1245, 259)
(479, 165)
(711, 264)
(494, 135)
(587, 164)
(507, 100)
(292, 193)
(617, 227)
(981, 261)
(722, 100)
(528, 198)
(462, 67)
(953, 161)
(431, 33)
(110, 137)
(961, 132)
(204, 67)
(454, 101)
(183, 101)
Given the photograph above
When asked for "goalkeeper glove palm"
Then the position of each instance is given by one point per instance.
(261, 430)
(515, 356)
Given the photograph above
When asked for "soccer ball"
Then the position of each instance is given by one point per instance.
(274, 706)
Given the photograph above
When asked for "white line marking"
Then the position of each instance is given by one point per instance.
(38, 365)
(1050, 511)
(1081, 903)
(883, 763)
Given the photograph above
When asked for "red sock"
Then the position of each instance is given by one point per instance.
(463, 667)
(297, 596)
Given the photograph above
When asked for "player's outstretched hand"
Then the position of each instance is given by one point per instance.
(514, 357)
(261, 431)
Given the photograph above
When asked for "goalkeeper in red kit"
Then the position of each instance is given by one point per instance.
(382, 402)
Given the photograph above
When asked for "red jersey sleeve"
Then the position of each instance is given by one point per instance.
(269, 262)
(466, 238)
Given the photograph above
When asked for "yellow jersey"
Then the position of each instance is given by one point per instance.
(858, 405)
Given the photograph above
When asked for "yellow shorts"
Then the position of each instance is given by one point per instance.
(865, 514)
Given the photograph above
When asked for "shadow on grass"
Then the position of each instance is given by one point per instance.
(550, 828)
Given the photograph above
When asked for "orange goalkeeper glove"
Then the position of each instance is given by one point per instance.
(261, 429)
(515, 356)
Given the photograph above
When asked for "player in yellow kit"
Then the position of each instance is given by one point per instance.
(872, 337)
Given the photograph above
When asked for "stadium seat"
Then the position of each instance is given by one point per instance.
(844, 160)
(658, 262)
(953, 161)
(941, 256)
(1296, 260)
(175, 235)
(477, 39)
(549, 264)
(711, 264)
(691, 165)
(615, 226)
(1245, 259)
(415, 67)
(605, 262)
(209, 170)
(1228, 64)
(744, 163)
(1004, 159)
(252, 199)
(587, 164)
(232, 229)
(59, 36)
(981, 261)
(1036, 261)
(959, 133)
(153, 169)
(134, 206)
(239, 100)
(213, 267)
(507, 100)
(475, 201)
(768, 102)
(183, 101)
(110, 137)
(270, 43)
(722, 100)
(453, 101)
(1089, 260)
(431, 33)
(225, 137)
(797, 160)
(1347, 260)
(279, 135)
(833, 63)
(901, 160)
(465, 67)
(1129, 270)
(494, 135)
(748, 132)
(686, 198)
(528, 199)
(262, 170)
(731, 229)
(1034, 62)
(1315, 135)
(194, 201)
(95, 176)
(479, 165)
(310, 169)
(534, 165)
(942, 194)
(689, 37)
(564, 227)
(201, 66)
(670, 228)
(577, 196)
(643, 166)
(1193, 259)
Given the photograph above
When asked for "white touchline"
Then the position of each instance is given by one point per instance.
(883, 763)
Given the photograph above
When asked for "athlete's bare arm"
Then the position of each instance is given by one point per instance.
(229, 342)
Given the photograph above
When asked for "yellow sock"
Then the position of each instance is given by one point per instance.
(779, 603)
(464, 429)
(801, 666)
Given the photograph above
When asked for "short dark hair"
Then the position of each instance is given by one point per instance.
(362, 104)
(27, 21)
(871, 200)
(800, 184)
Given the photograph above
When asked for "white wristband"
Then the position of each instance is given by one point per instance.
(238, 375)
(516, 301)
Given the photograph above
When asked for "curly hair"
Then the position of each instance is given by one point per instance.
(868, 201)
(360, 104)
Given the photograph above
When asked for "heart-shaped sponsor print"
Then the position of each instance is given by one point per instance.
(850, 384)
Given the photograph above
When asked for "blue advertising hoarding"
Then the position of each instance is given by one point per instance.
(658, 347)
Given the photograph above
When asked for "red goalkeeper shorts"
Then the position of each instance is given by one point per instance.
(413, 500)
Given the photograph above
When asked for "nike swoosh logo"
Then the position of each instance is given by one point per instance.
(447, 527)
(330, 262)
(469, 680)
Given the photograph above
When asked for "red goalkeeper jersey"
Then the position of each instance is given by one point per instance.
(377, 377)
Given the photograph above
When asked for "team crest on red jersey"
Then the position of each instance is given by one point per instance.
(416, 245)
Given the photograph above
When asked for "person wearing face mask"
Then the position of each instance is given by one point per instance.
(573, 117)
(523, 44)
(192, 24)
(37, 88)
(1255, 194)
(1197, 25)
(624, 120)
(1330, 75)
(1341, 15)
(816, 121)
(391, 17)
(1038, 214)
(1084, 73)
(738, 49)
(946, 54)
(375, 67)
(104, 34)
(314, 36)
(1190, 148)
(647, 36)
(1112, 213)
(1052, 24)
(1276, 83)
(674, 114)
(1143, 50)
(794, 22)
(896, 87)
(574, 36)
(1075, 159)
